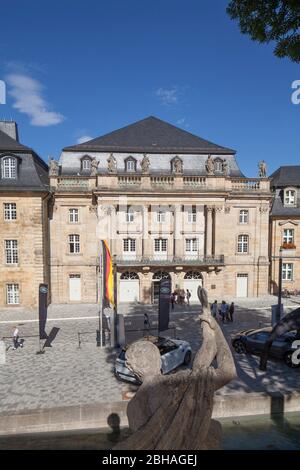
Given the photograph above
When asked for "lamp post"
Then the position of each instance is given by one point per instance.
(278, 312)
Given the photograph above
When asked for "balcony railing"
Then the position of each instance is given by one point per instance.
(246, 184)
(171, 260)
(73, 183)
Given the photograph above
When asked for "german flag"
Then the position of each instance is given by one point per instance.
(108, 276)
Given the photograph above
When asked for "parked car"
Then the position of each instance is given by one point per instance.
(174, 352)
(253, 341)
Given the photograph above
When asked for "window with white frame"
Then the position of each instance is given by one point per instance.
(218, 164)
(160, 245)
(129, 245)
(244, 216)
(192, 215)
(11, 251)
(10, 211)
(73, 216)
(243, 244)
(74, 243)
(9, 167)
(160, 216)
(191, 245)
(86, 164)
(288, 235)
(130, 165)
(289, 197)
(12, 294)
(287, 271)
(129, 216)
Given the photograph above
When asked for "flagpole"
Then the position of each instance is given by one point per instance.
(115, 300)
(101, 297)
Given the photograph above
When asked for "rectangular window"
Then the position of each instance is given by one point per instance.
(288, 235)
(160, 216)
(12, 294)
(287, 271)
(74, 243)
(11, 252)
(129, 217)
(73, 216)
(243, 244)
(10, 211)
(191, 245)
(192, 215)
(244, 217)
(289, 197)
(86, 164)
(129, 245)
(160, 245)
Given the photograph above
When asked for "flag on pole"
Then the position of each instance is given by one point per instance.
(108, 276)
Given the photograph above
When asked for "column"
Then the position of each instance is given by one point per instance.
(209, 229)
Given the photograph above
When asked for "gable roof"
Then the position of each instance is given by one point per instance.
(150, 135)
(7, 144)
(286, 176)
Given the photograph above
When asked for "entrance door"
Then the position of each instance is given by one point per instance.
(242, 285)
(75, 287)
(129, 290)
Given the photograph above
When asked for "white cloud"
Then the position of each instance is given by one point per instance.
(28, 99)
(168, 96)
(83, 139)
(181, 121)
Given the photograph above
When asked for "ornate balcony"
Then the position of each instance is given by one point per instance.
(171, 261)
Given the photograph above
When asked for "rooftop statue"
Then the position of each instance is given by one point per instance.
(94, 166)
(111, 164)
(145, 164)
(262, 169)
(53, 167)
(209, 165)
(177, 165)
(173, 412)
(225, 168)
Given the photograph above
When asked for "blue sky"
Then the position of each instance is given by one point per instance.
(78, 69)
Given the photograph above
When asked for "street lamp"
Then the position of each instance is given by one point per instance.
(278, 312)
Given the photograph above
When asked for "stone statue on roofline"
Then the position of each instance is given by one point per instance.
(53, 167)
(225, 168)
(209, 165)
(173, 412)
(177, 166)
(262, 167)
(145, 164)
(111, 164)
(94, 166)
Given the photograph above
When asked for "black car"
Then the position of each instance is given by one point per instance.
(253, 341)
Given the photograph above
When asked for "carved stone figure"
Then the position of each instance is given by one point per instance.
(177, 165)
(111, 164)
(225, 168)
(262, 169)
(94, 166)
(53, 167)
(174, 412)
(209, 165)
(145, 164)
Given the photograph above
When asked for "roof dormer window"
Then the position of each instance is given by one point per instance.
(218, 164)
(290, 196)
(9, 167)
(86, 163)
(130, 165)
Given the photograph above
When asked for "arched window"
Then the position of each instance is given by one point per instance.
(129, 275)
(193, 275)
(86, 163)
(9, 167)
(130, 165)
(161, 275)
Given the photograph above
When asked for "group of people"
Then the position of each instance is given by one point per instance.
(225, 311)
(180, 297)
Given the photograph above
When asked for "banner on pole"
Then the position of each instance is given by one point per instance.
(107, 276)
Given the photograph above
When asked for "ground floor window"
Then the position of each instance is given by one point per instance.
(12, 294)
(287, 271)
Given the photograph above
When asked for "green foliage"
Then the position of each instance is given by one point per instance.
(270, 20)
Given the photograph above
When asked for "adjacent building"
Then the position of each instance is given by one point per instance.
(171, 205)
(285, 228)
(24, 236)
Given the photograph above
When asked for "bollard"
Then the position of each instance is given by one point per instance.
(2, 353)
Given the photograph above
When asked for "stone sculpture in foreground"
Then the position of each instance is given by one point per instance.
(174, 412)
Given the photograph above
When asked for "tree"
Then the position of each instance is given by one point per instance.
(270, 20)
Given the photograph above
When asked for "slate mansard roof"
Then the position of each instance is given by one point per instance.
(32, 170)
(151, 135)
(284, 177)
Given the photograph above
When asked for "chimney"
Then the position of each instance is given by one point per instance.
(10, 128)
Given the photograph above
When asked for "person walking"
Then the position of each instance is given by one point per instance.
(16, 338)
(188, 296)
(231, 311)
(214, 309)
(172, 300)
(224, 309)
